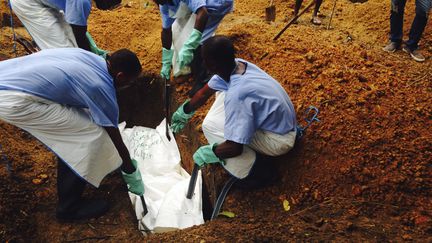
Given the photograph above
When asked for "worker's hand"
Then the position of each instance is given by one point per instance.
(167, 56)
(205, 155)
(134, 181)
(94, 48)
(186, 53)
(180, 118)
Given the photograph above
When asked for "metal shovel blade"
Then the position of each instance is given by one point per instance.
(271, 13)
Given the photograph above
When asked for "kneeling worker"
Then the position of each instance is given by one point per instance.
(252, 113)
(66, 98)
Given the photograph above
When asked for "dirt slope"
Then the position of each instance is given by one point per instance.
(363, 173)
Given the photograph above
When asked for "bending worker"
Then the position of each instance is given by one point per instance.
(57, 23)
(252, 113)
(66, 98)
(209, 13)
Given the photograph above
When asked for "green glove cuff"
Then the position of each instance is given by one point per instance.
(194, 39)
(205, 155)
(94, 48)
(167, 56)
(181, 111)
(134, 180)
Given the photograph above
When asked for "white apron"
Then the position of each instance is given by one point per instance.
(263, 141)
(47, 26)
(69, 132)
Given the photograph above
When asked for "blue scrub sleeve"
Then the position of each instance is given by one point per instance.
(167, 21)
(77, 12)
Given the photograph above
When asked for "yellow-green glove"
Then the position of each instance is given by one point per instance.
(186, 53)
(205, 155)
(134, 181)
(167, 56)
(94, 48)
(180, 118)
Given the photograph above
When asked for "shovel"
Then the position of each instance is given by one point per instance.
(192, 181)
(271, 12)
(293, 20)
(167, 105)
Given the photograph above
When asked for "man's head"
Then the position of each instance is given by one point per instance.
(218, 54)
(162, 2)
(124, 67)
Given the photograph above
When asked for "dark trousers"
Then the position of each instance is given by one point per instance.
(70, 187)
(417, 27)
(298, 4)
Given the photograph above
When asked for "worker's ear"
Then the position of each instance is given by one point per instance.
(121, 78)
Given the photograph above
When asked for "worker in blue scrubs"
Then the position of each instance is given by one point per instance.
(251, 116)
(66, 98)
(209, 14)
(55, 23)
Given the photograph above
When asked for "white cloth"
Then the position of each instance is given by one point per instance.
(181, 30)
(263, 141)
(46, 25)
(165, 181)
(69, 132)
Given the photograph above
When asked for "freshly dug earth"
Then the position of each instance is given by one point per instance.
(363, 173)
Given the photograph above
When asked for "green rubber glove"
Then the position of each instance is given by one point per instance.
(180, 118)
(134, 181)
(186, 53)
(94, 48)
(167, 56)
(205, 155)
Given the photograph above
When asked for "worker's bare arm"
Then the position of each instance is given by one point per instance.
(166, 37)
(80, 36)
(115, 136)
(199, 99)
(201, 19)
(228, 149)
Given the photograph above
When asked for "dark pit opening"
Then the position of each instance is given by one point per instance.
(142, 103)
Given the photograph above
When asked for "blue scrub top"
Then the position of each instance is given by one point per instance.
(214, 7)
(254, 101)
(76, 12)
(69, 76)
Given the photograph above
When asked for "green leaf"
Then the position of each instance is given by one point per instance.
(286, 205)
(227, 214)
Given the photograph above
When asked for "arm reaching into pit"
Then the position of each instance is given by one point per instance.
(214, 153)
(81, 37)
(182, 115)
(167, 53)
(130, 172)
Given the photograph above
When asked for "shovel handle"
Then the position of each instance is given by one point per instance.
(293, 19)
(167, 104)
(192, 182)
(144, 205)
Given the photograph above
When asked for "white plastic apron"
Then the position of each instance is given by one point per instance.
(213, 128)
(263, 141)
(181, 30)
(69, 132)
(46, 25)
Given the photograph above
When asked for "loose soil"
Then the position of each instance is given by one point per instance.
(362, 174)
